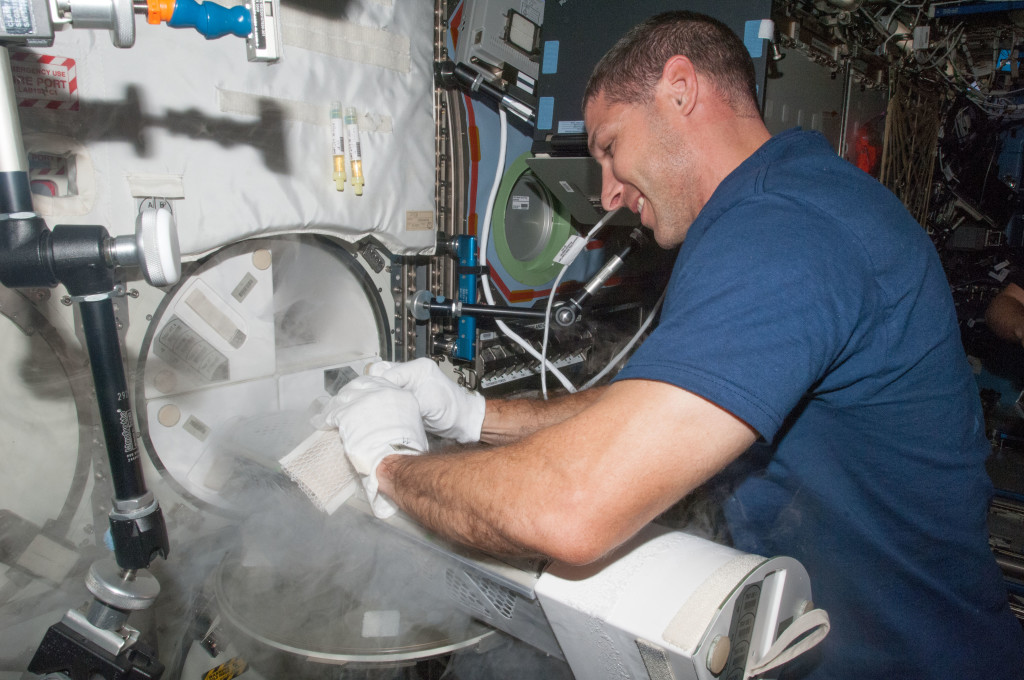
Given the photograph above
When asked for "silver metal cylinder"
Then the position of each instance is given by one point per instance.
(606, 272)
(12, 150)
(123, 251)
(92, 14)
(105, 617)
(118, 16)
(119, 588)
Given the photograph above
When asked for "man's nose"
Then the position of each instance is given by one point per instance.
(611, 190)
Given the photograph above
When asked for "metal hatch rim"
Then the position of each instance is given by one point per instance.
(235, 620)
(337, 248)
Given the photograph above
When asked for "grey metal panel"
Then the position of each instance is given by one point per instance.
(806, 94)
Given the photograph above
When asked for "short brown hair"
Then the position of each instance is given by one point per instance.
(628, 72)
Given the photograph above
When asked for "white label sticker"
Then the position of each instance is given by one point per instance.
(419, 220)
(572, 248)
(338, 136)
(244, 287)
(520, 202)
(218, 320)
(48, 559)
(381, 623)
(196, 428)
(570, 127)
(533, 10)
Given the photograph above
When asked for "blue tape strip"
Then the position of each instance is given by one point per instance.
(549, 62)
(545, 112)
(753, 43)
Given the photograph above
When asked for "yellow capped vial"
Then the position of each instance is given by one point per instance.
(355, 151)
(338, 139)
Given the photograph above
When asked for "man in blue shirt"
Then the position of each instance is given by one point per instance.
(807, 324)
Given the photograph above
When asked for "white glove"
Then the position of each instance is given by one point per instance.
(448, 409)
(375, 419)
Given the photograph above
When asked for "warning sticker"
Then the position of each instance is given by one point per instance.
(44, 81)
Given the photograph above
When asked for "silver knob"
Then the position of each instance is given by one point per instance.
(156, 239)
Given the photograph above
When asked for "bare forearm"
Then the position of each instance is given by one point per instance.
(579, 488)
(467, 496)
(455, 506)
(509, 420)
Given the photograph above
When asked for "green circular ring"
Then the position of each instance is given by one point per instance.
(541, 268)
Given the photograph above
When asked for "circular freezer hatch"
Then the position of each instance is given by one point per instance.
(240, 355)
(237, 359)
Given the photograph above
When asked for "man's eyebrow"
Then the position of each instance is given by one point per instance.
(592, 140)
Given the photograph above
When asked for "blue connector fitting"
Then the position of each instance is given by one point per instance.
(211, 19)
(466, 250)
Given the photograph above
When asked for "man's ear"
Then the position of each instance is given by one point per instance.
(679, 83)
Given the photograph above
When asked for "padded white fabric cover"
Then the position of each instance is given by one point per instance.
(244, 149)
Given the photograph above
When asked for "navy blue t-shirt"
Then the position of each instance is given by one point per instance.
(806, 301)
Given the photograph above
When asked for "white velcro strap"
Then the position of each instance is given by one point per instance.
(804, 633)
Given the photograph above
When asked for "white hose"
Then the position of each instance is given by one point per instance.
(629, 345)
(485, 230)
(551, 299)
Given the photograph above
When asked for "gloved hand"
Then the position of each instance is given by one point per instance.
(448, 409)
(375, 419)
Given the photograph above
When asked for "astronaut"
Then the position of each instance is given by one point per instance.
(808, 324)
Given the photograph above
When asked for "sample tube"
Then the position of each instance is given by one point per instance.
(338, 137)
(355, 151)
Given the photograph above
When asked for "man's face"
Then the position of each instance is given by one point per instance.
(646, 165)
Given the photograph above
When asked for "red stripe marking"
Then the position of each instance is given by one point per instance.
(474, 168)
(453, 25)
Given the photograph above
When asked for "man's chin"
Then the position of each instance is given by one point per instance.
(668, 240)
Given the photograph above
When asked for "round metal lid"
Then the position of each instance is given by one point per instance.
(527, 219)
(339, 589)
